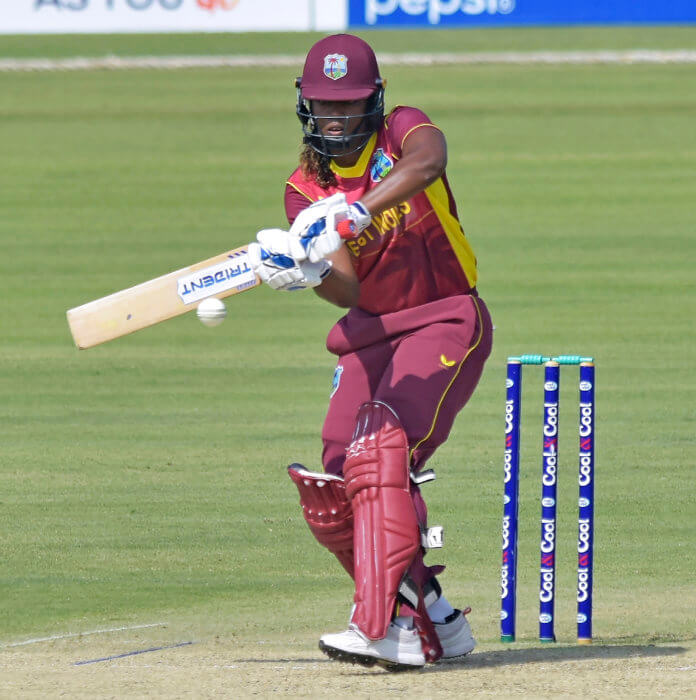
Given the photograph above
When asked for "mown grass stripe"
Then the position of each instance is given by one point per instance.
(77, 63)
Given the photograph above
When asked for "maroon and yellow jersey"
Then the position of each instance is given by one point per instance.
(411, 254)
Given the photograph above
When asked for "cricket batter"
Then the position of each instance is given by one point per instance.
(374, 229)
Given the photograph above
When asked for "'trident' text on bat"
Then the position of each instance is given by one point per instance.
(160, 299)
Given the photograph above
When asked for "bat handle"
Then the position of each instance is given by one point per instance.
(347, 229)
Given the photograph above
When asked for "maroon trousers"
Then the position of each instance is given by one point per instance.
(424, 363)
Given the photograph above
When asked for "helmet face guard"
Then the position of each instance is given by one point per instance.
(346, 143)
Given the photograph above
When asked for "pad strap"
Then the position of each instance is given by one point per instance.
(327, 511)
(386, 532)
(414, 600)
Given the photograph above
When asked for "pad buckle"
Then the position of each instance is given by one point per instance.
(432, 538)
(423, 477)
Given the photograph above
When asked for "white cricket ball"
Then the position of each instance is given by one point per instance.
(211, 312)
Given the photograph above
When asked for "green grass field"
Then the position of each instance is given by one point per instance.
(144, 480)
(499, 39)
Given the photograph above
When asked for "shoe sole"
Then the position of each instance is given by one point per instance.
(395, 667)
(458, 656)
(347, 656)
(364, 660)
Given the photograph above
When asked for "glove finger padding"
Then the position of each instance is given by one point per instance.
(278, 242)
(386, 533)
(276, 268)
(256, 254)
(314, 232)
(356, 213)
(315, 211)
(313, 274)
(321, 239)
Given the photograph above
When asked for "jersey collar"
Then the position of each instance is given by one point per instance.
(359, 168)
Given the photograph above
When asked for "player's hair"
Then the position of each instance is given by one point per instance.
(316, 166)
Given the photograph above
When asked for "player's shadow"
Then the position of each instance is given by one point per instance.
(510, 657)
(285, 660)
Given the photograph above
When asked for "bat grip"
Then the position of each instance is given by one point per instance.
(347, 229)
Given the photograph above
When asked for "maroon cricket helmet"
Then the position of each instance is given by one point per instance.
(340, 67)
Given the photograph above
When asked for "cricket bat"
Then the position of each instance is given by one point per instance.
(160, 299)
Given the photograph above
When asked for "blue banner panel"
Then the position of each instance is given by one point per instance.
(458, 13)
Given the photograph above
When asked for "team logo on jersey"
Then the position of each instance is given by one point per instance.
(447, 363)
(335, 66)
(380, 166)
(336, 380)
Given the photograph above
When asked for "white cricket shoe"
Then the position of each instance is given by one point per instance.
(455, 635)
(400, 650)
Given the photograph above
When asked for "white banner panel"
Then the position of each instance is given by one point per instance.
(330, 15)
(111, 16)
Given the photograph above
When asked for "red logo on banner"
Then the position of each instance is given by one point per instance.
(212, 5)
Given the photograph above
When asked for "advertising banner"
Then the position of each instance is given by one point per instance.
(112, 16)
(458, 13)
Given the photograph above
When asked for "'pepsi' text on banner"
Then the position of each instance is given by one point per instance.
(452, 13)
(434, 9)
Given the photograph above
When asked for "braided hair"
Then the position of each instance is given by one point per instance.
(315, 166)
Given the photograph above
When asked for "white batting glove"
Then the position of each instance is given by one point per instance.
(270, 261)
(315, 227)
(318, 228)
(356, 216)
(314, 212)
(279, 242)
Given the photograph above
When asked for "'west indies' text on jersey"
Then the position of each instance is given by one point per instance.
(411, 254)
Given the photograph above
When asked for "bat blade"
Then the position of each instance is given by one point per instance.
(161, 298)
